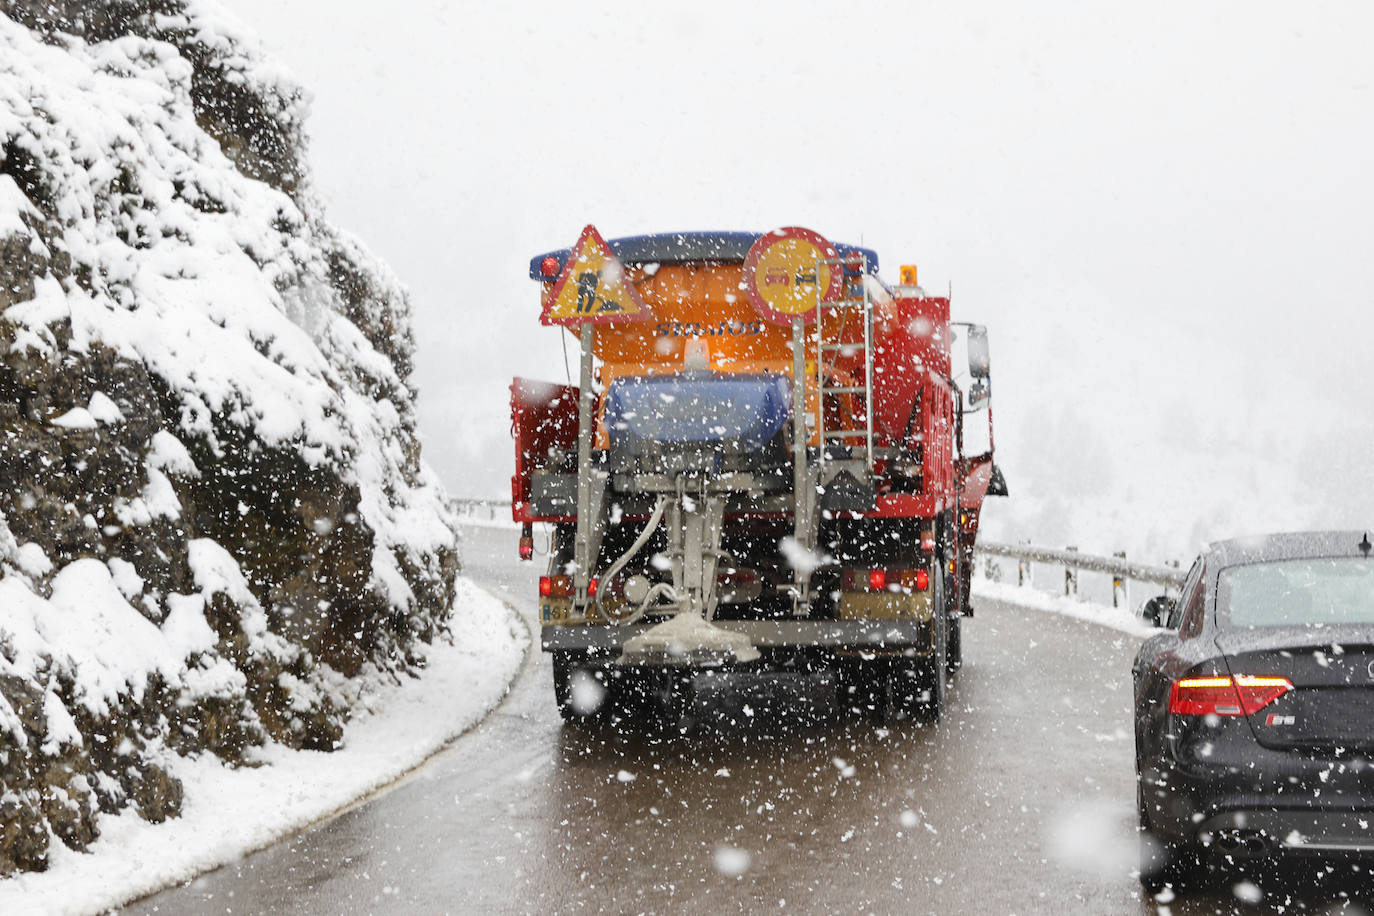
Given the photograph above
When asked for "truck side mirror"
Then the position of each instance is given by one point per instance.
(1157, 610)
(979, 358)
(978, 394)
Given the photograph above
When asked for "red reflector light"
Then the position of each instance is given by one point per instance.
(549, 267)
(1243, 695)
(591, 587)
(555, 586)
(526, 541)
(885, 580)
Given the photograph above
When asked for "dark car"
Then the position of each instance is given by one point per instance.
(1254, 712)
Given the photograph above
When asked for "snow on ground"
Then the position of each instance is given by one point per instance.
(233, 812)
(1117, 618)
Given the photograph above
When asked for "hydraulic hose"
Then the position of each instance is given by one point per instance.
(649, 528)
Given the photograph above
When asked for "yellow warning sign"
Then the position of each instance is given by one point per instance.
(593, 287)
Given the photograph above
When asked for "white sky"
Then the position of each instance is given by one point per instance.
(1164, 213)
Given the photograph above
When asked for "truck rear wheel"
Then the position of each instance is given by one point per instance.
(930, 697)
(954, 651)
(932, 670)
(951, 597)
(672, 694)
(648, 697)
(583, 691)
(888, 689)
(861, 687)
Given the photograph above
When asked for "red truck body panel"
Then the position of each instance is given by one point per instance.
(543, 418)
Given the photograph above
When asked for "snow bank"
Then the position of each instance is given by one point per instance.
(234, 811)
(1027, 597)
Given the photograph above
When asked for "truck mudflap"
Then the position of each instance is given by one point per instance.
(855, 635)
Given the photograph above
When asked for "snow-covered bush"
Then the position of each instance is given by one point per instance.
(212, 505)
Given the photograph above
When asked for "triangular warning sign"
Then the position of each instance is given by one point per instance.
(593, 287)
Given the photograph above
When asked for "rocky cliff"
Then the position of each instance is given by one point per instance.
(213, 512)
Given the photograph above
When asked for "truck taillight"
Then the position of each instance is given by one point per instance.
(527, 543)
(1242, 695)
(557, 586)
(883, 580)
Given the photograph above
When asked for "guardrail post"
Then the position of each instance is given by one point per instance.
(992, 569)
(1119, 596)
(1071, 576)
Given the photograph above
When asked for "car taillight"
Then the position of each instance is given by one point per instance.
(922, 580)
(1242, 695)
(877, 579)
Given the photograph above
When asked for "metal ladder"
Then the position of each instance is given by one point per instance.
(854, 302)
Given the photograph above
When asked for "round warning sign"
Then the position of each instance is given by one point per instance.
(783, 277)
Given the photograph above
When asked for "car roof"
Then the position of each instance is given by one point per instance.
(1286, 546)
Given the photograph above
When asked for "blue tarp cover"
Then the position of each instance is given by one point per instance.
(698, 407)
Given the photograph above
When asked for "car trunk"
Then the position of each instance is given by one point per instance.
(1331, 704)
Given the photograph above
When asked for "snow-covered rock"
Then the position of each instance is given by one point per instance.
(212, 506)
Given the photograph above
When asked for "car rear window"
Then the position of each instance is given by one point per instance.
(1318, 591)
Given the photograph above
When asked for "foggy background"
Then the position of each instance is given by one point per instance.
(1164, 214)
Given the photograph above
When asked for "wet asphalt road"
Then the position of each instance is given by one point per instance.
(1020, 801)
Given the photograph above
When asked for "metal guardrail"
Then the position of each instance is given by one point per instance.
(481, 508)
(1118, 567)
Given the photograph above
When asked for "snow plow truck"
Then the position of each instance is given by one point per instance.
(772, 460)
